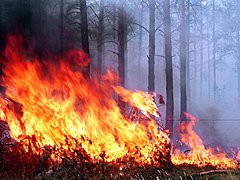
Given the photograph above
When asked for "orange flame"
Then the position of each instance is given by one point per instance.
(199, 155)
(53, 101)
(58, 102)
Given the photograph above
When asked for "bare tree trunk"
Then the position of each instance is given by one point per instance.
(125, 43)
(195, 69)
(61, 26)
(169, 69)
(238, 67)
(114, 22)
(100, 35)
(201, 53)
(214, 53)
(121, 48)
(209, 62)
(188, 51)
(39, 28)
(140, 46)
(183, 60)
(84, 32)
(151, 56)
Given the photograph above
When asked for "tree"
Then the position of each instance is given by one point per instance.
(188, 84)
(151, 55)
(183, 59)
(140, 43)
(61, 26)
(100, 35)
(121, 47)
(84, 31)
(214, 51)
(201, 50)
(169, 70)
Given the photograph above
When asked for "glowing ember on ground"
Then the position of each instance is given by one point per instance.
(55, 103)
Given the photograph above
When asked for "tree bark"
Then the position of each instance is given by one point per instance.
(140, 45)
(209, 62)
(183, 60)
(238, 67)
(39, 29)
(214, 53)
(121, 48)
(100, 36)
(188, 51)
(61, 27)
(84, 33)
(151, 56)
(169, 69)
(201, 53)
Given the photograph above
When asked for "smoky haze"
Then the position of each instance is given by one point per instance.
(211, 54)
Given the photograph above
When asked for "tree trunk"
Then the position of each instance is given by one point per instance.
(39, 29)
(151, 56)
(209, 62)
(169, 69)
(100, 36)
(188, 51)
(84, 33)
(125, 43)
(238, 67)
(183, 60)
(61, 27)
(121, 48)
(214, 53)
(201, 53)
(195, 69)
(140, 46)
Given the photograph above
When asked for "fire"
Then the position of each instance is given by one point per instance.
(53, 103)
(58, 102)
(199, 155)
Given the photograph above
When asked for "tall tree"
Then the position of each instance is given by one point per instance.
(61, 26)
(238, 66)
(188, 49)
(151, 55)
(121, 47)
(84, 31)
(214, 51)
(100, 35)
(183, 59)
(169, 70)
(208, 59)
(39, 28)
(140, 44)
(201, 49)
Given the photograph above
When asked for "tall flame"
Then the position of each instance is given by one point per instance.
(57, 101)
(52, 101)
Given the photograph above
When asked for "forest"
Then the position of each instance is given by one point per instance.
(119, 89)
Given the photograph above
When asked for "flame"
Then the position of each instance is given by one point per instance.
(199, 155)
(57, 101)
(52, 102)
